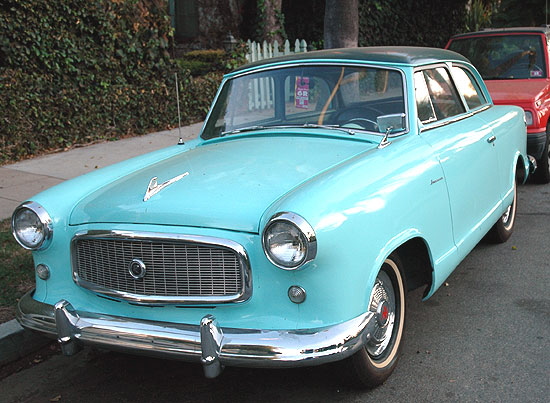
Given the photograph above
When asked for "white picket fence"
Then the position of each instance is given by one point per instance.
(262, 91)
(257, 51)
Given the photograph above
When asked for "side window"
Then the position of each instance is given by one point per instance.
(468, 87)
(186, 19)
(444, 99)
(426, 112)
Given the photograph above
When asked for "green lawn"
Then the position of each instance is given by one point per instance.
(16, 272)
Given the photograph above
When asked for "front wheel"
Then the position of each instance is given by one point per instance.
(374, 363)
(503, 228)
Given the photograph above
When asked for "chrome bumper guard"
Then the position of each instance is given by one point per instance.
(532, 164)
(207, 342)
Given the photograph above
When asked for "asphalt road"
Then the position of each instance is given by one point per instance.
(484, 337)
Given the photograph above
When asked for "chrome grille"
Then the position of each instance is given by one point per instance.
(176, 271)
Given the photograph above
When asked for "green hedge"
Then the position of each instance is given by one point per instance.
(43, 113)
(87, 70)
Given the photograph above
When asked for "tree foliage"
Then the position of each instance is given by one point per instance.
(409, 22)
(86, 70)
(520, 13)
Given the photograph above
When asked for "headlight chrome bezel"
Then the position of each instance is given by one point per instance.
(45, 222)
(306, 234)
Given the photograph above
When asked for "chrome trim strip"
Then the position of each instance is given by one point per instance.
(316, 62)
(237, 248)
(306, 229)
(441, 123)
(45, 219)
(207, 342)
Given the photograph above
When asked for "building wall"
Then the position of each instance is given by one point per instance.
(204, 24)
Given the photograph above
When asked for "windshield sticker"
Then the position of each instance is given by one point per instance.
(536, 73)
(301, 93)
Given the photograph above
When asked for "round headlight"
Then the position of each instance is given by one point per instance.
(289, 241)
(31, 226)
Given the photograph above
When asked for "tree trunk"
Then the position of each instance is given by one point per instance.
(272, 29)
(341, 24)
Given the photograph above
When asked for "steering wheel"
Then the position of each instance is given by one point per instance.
(363, 122)
(358, 113)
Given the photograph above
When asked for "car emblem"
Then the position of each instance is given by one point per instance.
(137, 269)
(153, 188)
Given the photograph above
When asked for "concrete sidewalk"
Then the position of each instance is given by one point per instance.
(22, 180)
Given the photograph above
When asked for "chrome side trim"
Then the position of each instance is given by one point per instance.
(206, 342)
(237, 248)
(440, 123)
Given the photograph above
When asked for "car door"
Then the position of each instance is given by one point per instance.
(464, 147)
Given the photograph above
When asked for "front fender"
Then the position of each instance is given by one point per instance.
(361, 212)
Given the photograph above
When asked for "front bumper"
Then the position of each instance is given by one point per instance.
(207, 342)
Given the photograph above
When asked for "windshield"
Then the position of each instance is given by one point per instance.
(504, 56)
(347, 97)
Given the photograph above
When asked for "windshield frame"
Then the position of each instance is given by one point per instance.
(229, 79)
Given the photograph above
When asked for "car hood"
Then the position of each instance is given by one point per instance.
(226, 184)
(517, 92)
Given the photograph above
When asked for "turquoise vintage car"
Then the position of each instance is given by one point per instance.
(322, 187)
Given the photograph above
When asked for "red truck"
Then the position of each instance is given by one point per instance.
(514, 64)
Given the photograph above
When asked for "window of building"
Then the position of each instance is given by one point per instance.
(185, 19)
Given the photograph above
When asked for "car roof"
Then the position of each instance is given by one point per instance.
(409, 55)
(511, 30)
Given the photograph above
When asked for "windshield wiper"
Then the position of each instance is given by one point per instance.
(307, 125)
(244, 129)
(330, 127)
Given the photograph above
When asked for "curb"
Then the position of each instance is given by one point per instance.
(17, 342)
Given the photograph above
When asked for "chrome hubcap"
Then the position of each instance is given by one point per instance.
(506, 215)
(382, 304)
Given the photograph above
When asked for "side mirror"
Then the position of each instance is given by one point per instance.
(388, 124)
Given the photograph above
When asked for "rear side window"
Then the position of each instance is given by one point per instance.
(436, 96)
(468, 87)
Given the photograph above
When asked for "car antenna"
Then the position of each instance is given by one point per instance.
(180, 141)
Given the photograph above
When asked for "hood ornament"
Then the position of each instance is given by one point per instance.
(153, 188)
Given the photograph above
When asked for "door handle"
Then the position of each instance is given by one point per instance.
(491, 139)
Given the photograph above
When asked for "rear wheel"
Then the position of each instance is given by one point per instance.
(374, 363)
(542, 174)
(503, 228)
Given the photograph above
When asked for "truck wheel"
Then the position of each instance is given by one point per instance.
(542, 174)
